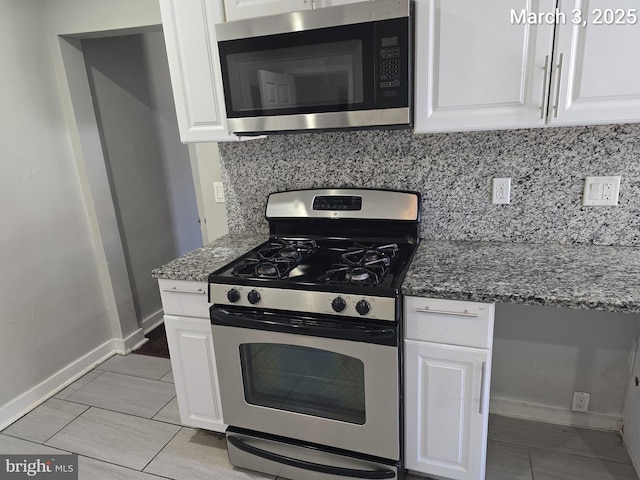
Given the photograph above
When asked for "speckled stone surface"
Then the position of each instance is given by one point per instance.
(198, 264)
(571, 276)
(453, 171)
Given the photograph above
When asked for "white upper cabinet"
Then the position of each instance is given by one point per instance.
(596, 72)
(484, 65)
(194, 66)
(239, 9)
(475, 70)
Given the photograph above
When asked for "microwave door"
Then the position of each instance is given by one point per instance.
(286, 73)
(277, 90)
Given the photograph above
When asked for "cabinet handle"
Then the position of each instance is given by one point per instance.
(555, 108)
(466, 313)
(176, 290)
(484, 372)
(545, 94)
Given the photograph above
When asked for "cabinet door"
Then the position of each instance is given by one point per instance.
(194, 372)
(194, 66)
(597, 75)
(447, 409)
(239, 9)
(476, 68)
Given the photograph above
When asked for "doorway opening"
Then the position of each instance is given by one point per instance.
(147, 167)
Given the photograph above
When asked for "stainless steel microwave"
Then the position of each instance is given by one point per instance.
(347, 66)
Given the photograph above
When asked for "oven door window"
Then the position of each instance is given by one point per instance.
(304, 380)
(303, 72)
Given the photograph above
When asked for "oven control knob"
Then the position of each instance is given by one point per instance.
(253, 297)
(363, 307)
(233, 295)
(338, 304)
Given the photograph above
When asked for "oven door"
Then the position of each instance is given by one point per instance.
(282, 373)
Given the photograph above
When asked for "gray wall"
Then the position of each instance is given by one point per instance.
(174, 156)
(541, 355)
(148, 167)
(53, 308)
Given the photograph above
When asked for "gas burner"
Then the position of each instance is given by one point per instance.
(362, 265)
(289, 249)
(276, 259)
(363, 255)
(359, 275)
(253, 267)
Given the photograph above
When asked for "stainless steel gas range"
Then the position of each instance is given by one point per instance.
(307, 336)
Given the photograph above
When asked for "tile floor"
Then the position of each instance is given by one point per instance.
(122, 420)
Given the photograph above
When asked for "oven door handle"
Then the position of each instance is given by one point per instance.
(373, 334)
(304, 465)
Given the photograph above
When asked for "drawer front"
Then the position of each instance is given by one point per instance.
(184, 298)
(452, 322)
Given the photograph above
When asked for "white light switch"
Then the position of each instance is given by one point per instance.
(218, 192)
(601, 191)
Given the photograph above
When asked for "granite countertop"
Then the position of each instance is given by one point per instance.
(556, 275)
(198, 264)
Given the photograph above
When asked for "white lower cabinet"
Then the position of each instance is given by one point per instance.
(192, 356)
(447, 358)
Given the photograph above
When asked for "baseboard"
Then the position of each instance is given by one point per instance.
(152, 321)
(19, 406)
(544, 413)
(133, 341)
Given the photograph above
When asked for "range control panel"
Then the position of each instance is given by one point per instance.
(358, 306)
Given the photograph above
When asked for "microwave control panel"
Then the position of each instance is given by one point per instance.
(392, 89)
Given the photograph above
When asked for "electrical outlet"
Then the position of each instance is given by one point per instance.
(580, 402)
(601, 191)
(501, 191)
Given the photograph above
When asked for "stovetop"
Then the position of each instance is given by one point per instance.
(368, 266)
(339, 252)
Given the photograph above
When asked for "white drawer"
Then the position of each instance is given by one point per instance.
(185, 298)
(452, 322)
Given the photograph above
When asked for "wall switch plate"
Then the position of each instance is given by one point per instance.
(601, 191)
(580, 402)
(218, 192)
(501, 191)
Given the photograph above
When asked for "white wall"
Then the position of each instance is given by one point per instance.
(53, 308)
(67, 21)
(62, 312)
(542, 355)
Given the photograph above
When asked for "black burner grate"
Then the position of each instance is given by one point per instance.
(275, 259)
(362, 264)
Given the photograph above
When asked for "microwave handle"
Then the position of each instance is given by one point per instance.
(380, 335)
(305, 465)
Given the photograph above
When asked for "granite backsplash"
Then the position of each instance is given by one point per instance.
(453, 171)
